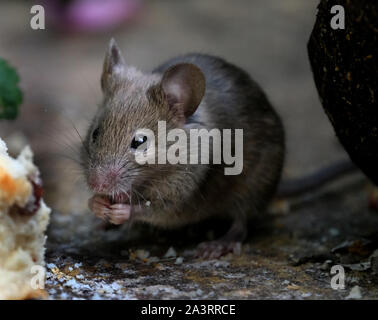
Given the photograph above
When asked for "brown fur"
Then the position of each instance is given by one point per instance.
(182, 194)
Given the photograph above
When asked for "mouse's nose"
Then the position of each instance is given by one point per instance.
(103, 181)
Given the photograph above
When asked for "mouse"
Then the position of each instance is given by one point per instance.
(190, 91)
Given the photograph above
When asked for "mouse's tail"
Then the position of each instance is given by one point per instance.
(297, 186)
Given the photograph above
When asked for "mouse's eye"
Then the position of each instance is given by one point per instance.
(138, 141)
(95, 134)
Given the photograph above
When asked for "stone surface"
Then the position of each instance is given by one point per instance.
(287, 256)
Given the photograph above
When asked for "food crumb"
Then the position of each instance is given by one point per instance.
(355, 293)
(179, 260)
(171, 253)
(142, 254)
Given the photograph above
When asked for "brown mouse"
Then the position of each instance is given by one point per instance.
(190, 91)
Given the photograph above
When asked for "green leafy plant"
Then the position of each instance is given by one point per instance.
(10, 93)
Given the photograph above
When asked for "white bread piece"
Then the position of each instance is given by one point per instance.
(23, 221)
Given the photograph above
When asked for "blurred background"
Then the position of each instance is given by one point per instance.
(60, 70)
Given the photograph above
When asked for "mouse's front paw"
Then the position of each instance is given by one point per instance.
(119, 213)
(99, 206)
(115, 213)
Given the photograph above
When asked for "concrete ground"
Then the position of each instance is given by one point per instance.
(290, 250)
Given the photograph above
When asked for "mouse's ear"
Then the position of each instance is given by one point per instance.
(113, 66)
(184, 86)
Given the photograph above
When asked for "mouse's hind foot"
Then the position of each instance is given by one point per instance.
(231, 242)
(216, 249)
